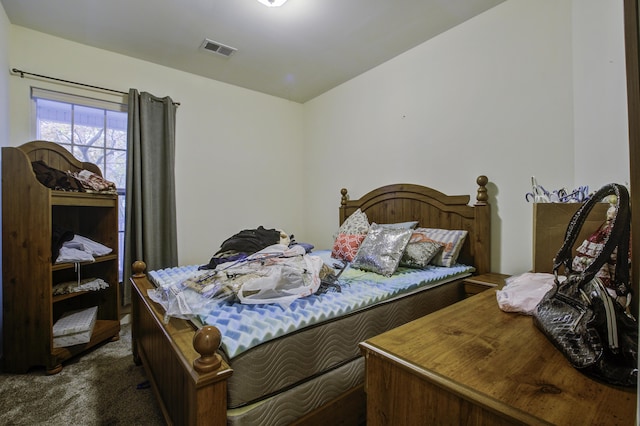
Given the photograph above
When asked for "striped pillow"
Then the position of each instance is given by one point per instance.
(451, 241)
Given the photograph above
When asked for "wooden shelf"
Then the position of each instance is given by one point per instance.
(103, 330)
(30, 214)
(61, 297)
(62, 266)
(87, 199)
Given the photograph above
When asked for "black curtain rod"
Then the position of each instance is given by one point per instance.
(23, 73)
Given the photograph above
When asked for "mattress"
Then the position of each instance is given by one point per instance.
(285, 362)
(293, 403)
(272, 349)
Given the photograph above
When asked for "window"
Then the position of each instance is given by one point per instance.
(92, 130)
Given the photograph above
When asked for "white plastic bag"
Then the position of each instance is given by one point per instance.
(286, 280)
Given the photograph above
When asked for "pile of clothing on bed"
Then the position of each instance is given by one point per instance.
(267, 266)
(247, 242)
(254, 266)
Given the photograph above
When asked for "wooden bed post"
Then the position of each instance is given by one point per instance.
(344, 197)
(482, 243)
(206, 342)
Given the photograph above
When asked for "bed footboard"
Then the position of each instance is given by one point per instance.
(188, 377)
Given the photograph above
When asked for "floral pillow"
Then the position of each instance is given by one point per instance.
(346, 246)
(356, 223)
(382, 249)
(350, 235)
(451, 241)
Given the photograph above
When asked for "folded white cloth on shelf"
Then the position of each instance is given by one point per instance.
(75, 327)
(81, 249)
(73, 255)
(90, 246)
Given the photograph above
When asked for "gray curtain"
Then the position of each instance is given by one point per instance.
(150, 213)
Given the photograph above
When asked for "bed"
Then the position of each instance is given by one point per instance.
(196, 381)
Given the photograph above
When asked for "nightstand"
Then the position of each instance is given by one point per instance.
(478, 283)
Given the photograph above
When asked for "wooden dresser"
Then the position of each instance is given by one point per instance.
(473, 364)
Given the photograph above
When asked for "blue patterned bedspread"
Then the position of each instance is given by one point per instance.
(246, 326)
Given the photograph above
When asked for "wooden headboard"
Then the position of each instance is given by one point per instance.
(432, 209)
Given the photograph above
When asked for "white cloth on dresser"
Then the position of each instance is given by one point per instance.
(522, 293)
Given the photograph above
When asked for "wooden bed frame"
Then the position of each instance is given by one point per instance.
(187, 375)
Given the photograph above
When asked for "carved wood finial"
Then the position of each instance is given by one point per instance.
(206, 342)
(138, 267)
(344, 198)
(482, 195)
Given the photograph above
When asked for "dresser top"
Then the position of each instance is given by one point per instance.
(503, 362)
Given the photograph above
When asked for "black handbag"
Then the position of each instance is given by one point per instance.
(593, 331)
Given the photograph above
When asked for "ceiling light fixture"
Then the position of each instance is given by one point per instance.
(273, 3)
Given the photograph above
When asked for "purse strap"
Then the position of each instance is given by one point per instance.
(618, 237)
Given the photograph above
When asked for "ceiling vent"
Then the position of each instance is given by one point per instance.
(219, 48)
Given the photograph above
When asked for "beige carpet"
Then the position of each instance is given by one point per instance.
(101, 387)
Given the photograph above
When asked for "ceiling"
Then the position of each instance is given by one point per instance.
(296, 52)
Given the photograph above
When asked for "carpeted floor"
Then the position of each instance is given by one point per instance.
(100, 387)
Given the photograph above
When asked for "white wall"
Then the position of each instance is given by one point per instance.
(599, 78)
(4, 115)
(511, 93)
(493, 96)
(237, 151)
(4, 77)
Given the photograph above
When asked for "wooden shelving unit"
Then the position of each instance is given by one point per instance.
(30, 211)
